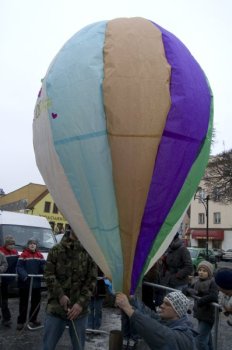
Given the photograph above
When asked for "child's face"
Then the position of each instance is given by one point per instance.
(10, 246)
(32, 247)
(203, 273)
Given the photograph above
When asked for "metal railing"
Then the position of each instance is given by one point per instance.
(153, 285)
(29, 302)
(29, 295)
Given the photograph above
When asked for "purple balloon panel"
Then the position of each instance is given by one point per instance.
(184, 133)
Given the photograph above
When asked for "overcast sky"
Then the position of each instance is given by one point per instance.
(32, 32)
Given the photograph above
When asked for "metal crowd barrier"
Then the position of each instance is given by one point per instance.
(215, 305)
(29, 302)
(153, 285)
(29, 298)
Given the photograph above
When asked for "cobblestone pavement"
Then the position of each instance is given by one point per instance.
(10, 339)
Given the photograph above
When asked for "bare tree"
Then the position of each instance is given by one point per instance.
(218, 177)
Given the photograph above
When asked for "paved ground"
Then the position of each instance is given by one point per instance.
(10, 339)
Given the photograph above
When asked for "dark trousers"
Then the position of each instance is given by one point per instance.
(23, 304)
(6, 316)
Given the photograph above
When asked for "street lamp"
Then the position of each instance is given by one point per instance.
(205, 202)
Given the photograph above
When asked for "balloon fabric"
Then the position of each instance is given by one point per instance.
(122, 131)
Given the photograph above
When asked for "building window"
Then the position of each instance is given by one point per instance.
(47, 206)
(217, 218)
(201, 218)
(55, 209)
(216, 195)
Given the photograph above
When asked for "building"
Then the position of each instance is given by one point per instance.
(34, 199)
(219, 222)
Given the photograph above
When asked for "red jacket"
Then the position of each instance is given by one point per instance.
(30, 263)
(11, 257)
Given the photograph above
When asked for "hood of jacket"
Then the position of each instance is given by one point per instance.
(69, 243)
(176, 244)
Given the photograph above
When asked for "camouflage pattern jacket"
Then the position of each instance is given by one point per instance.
(69, 271)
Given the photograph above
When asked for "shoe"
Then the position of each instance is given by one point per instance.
(20, 326)
(34, 324)
(125, 344)
(7, 323)
(132, 344)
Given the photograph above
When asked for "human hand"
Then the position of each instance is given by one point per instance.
(64, 301)
(74, 312)
(121, 300)
(123, 303)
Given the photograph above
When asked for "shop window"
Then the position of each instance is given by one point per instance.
(67, 227)
(47, 207)
(55, 209)
(217, 218)
(201, 218)
(52, 224)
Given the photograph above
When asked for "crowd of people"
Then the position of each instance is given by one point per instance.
(76, 291)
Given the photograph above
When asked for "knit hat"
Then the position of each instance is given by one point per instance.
(223, 278)
(9, 240)
(206, 265)
(179, 302)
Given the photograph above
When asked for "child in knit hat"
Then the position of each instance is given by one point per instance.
(204, 291)
(223, 279)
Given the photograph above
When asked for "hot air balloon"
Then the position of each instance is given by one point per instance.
(122, 131)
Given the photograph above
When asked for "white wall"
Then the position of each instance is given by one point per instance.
(227, 243)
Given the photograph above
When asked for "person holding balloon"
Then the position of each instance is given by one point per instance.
(168, 330)
(70, 275)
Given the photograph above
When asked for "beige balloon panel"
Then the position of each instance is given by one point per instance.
(137, 101)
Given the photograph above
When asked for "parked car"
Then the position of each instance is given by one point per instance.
(218, 253)
(227, 256)
(199, 254)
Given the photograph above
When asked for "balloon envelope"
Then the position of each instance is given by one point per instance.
(122, 132)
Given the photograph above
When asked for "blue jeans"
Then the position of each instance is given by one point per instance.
(204, 338)
(54, 327)
(95, 316)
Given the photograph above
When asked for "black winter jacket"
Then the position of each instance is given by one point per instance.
(178, 265)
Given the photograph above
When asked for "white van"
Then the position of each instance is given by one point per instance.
(25, 226)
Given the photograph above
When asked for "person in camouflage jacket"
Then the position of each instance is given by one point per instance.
(70, 275)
